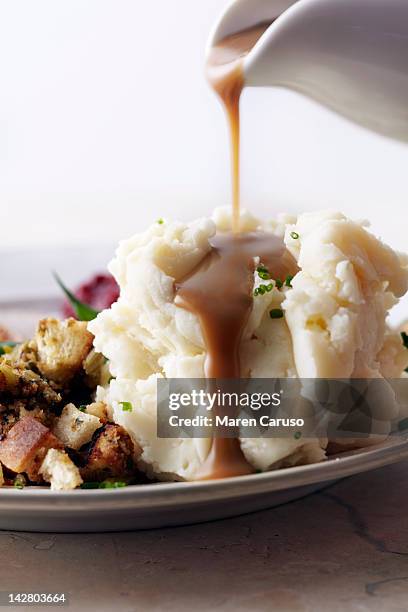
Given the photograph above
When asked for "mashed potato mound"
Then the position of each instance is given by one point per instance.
(334, 326)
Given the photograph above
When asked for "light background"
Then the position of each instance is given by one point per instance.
(106, 123)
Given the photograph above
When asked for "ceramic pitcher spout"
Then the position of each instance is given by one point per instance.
(349, 55)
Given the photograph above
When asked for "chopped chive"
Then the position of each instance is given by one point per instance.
(262, 269)
(90, 485)
(276, 313)
(262, 289)
(160, 221)
(263, 272)
(297, 435)
(107, 484)
(294, 235)
(82, 408)
(126, 406)
(19, 482)
(288, 280)
(279, 283)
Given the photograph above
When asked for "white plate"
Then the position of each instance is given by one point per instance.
(161, 505)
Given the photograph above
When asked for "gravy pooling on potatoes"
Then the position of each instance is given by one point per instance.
(219, 291)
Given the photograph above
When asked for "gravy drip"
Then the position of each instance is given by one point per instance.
(226, 75)
(219, 291)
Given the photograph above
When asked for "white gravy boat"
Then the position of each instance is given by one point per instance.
(349, 55)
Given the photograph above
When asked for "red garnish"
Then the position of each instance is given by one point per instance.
(100, 292)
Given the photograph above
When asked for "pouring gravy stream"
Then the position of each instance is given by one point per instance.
(225, 72)
(219, 291)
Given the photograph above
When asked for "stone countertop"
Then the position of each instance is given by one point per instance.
(344, 548)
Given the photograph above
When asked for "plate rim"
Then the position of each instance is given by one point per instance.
(167, 493)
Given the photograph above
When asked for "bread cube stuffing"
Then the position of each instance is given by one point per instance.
(111, 454)
(26, 444)
(58, 469)
(98, 409)
(75, 428)
(62, 347)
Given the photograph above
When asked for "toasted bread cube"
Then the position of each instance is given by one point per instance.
(58, 469)
(97, 369)
(26, 444)
(62, 347)
(112, 454)
(75, 428)
(98, 409)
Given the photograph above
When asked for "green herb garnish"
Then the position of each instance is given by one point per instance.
(263, 272)
(294, 235)
(276, 313)
(288, 280)
(82, 311)
(262, 289)
(106, 484)
(259, 290)
(126, 406)
(160, 221)
(297, 435)
(262, 268)
(82, 408)
(279, 283)
(6, 345)
(19, 482)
